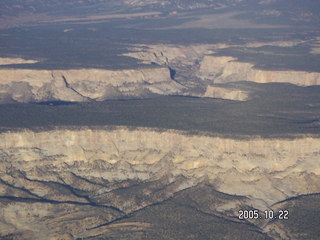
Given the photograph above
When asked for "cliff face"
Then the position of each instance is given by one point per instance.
(226, 93)
(255, 167)
(83, 183)
(195, 67)
(24, 85)
(227, 69)
(184, 70)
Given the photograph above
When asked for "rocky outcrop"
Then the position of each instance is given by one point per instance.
(88, 183)
(25, 85)
(8, 61)
(228, 69)
(262, 169)
(183, 60)
(226, 93)
(194, 66)
(171, 54)
(181, 70)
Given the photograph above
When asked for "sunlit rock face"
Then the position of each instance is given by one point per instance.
(226, 93)
(195, 65)
(25, 85)
(258, 161)
(188, 70)
(68, 182)
(228, 69)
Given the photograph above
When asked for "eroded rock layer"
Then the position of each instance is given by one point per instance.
(228, 69)
(254, 160)
(188, 70)
(27, 85)
(98, 176)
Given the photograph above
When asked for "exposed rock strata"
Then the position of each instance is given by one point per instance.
(196, 67)
(182, 70)
(235, 166)
(226, 93)
(228, 69)
(25, 85)
(85, 183)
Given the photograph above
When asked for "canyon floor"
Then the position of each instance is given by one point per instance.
(151, 120)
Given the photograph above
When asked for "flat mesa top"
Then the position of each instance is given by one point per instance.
(274, 110)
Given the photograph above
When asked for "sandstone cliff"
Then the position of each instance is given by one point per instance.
(226, 93)
(86, 183)
(228, 69)
(183, 70)
(25, 85)
(195, 68)
(255, 167)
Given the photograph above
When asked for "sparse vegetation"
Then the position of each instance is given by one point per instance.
(274, 110)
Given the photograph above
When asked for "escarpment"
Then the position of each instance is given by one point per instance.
(226, 93)
(189, 70)
(235, 166)
(85, 182)
(197, 63)
(228, 69)
(30, 85)
(82, 182)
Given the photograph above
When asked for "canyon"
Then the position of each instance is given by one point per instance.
(65, 180)
(191, 70)
(157, 120)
